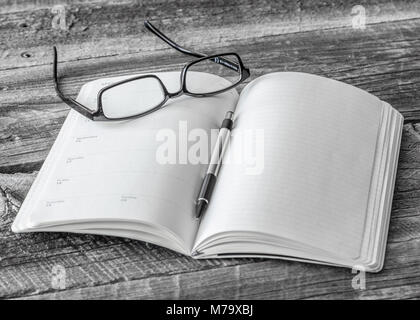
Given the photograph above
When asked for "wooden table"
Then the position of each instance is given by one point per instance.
(107, 39)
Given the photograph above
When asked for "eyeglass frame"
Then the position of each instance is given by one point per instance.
(99, 115)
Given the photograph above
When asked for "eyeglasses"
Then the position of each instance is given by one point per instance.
(141, 95)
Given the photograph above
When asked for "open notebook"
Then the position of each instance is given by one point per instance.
(318, 186)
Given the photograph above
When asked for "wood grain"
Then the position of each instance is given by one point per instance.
(381, 59)
(106, 38)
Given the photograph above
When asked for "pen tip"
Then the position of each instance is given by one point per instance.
(199, 207)
(229, 115)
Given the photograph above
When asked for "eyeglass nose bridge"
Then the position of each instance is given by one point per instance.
(172, 95)
(181, 90)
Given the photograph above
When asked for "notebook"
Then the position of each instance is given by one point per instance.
(308, 174)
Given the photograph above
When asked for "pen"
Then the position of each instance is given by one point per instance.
(214, 166)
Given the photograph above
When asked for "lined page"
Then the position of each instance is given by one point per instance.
(108, 171)
(318, 147)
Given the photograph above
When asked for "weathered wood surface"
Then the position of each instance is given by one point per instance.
(106, 38)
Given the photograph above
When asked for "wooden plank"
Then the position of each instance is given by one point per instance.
(89, 25)
(309, 36)
(104, 267)
(382, 60)
(259, 280)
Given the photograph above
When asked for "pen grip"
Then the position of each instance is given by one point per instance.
(207, 187)
(218, 151)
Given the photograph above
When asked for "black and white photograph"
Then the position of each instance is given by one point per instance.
(209, 150)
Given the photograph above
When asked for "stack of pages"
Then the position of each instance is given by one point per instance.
(308, 174)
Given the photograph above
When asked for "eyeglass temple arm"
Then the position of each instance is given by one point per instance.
(176, 46)
(69, 101)
(173, 44)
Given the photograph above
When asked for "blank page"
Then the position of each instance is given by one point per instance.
(318, 147)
